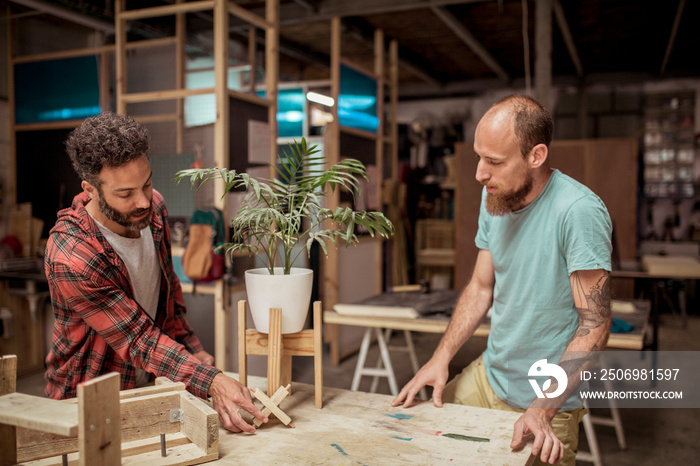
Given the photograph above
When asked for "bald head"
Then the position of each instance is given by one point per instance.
(529, 122)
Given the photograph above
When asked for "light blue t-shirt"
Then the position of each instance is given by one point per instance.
(534, 251)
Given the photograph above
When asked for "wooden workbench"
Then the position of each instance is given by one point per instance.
(363, 428)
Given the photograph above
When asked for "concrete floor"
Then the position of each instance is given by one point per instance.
(654, 436)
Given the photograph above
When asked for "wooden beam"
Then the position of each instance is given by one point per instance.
(180, 69)
(120, 55)
(221, 156)
(393, 107)
(169, 94)
(468, 38)
(65, 124)
(62, 54)
(252, 58)
(242, 344)
(99, 432)
(568, 38)
(250, 17)
(252, 98)
(332, 153)
(379, 72)
(137, 44)
(272, 11)
(8, 433)
(318, 354)
(672, 37)
(44, 414)
(167, 10)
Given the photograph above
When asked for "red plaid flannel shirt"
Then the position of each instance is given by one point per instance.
(99, 327)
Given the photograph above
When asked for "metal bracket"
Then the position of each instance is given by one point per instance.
(177, 415)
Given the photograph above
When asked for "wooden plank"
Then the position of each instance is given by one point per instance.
(33, 412)
(8, 374)
(99, 433)
(252, 59)
(248, 16)
(8, 433)
(272, 407)
(295, 344)
(272, 66)
(149, 416)
(242, 344)
(318, 355)
(180, 71)
(163, 385)
(169, 94)
(275, 347)
(330, 284)
(165, 10)
(158, 118)
(104, 49)
(221, 156)
(120, 56)
(63, 54)
(276, 398)
(201, 424)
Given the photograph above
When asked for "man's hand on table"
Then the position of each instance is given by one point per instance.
(229, 397)
(433, 373)
(536, 421)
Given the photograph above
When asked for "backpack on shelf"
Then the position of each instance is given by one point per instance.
(201, 262)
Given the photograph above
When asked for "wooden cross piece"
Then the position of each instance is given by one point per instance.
(271, 405)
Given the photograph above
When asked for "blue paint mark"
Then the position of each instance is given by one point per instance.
(400, 416)
(407, 439)
(339, 448)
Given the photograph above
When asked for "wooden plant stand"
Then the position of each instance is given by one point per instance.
(104, 425)
(280, 348)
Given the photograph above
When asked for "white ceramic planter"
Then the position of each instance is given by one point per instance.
(291, 293)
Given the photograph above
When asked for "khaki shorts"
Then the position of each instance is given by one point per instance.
(472, 388)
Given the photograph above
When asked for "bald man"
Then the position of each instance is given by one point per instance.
(543, 268)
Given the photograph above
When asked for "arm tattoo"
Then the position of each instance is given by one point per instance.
(597, 304)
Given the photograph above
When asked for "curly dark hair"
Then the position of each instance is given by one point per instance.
(532, 123)
(105, 140)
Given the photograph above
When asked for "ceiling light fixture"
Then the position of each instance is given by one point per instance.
(320, 99)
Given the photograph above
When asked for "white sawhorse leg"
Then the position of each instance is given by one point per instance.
(387, 371)
(594, 455)
(410, 349)
(588, 424)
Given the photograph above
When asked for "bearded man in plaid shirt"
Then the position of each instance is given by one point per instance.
(117, 302)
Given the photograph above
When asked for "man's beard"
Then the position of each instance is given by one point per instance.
(123, 219)
(500, 205)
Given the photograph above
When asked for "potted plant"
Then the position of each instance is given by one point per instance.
(278, 214)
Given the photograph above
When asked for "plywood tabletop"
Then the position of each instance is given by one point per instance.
(362, 428)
